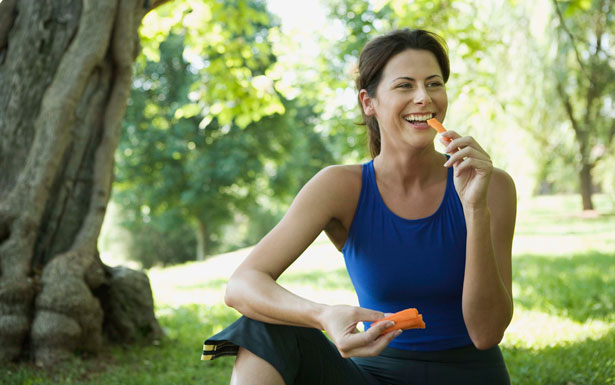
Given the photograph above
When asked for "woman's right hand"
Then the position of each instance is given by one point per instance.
(340, 323)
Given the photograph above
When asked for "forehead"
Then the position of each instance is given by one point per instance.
(412, 63)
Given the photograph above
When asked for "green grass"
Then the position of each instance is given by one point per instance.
(562, 332)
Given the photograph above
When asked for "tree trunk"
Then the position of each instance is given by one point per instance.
(201, 240)
(65, 75)
(586, 186)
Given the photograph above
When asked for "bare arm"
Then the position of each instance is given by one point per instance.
(489, 203)
(254, 292)
(252, 289)
(487, 290)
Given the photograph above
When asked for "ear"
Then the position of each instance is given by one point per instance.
(367, 103)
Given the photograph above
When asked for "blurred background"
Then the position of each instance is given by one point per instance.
(236, 104)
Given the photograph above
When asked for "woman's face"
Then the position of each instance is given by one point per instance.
(411, 90)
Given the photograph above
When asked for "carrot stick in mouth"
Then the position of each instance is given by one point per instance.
(405, 319)
(436, 125)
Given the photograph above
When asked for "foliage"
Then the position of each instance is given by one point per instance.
(569, 72)
(187, 178)
(161, 239)
(209, 66)
(228, 46)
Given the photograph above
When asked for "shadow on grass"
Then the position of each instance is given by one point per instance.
(580, 287)
(177, 359)
(586, 362)
(550, 223)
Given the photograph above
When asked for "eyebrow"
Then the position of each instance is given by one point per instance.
(412, 79)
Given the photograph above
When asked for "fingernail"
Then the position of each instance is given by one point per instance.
(391, 323)
(398, 332)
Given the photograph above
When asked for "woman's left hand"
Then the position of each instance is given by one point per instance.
(472, 168)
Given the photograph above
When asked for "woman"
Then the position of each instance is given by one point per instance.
(413, 234)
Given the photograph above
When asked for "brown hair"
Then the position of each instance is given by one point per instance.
(377, 53)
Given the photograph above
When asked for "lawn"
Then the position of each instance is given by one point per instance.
(562, 331)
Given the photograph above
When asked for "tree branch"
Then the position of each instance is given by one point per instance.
(568, 107)
(579, 133)
(572, 39)
(123, 51)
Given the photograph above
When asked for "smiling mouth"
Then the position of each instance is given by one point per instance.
(418, 118)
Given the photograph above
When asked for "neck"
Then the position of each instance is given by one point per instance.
(414, 168)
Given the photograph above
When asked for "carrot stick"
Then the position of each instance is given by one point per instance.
(436, 125)
(405, 319)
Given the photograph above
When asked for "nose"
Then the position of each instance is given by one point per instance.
(421, 96)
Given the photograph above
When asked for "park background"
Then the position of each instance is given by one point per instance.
(234, 105)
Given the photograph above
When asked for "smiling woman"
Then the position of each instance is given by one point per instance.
(413, 234)
(386, 107)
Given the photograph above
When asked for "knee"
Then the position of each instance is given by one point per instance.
(252, 369)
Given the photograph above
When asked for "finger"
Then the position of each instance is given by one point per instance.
(376, 346)
(471, 152)
(368, 315)
(450, 135)
(445, 141)
(367, 338)
(466, 152)
(378, 328)
(450, 140)
(353, 342)
(480, 165)
(358, 340)
(466, 141)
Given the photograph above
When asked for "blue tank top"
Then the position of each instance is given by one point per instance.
(396, 263)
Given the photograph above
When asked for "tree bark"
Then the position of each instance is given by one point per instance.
(586, 182)
(65, 72)
(201, 239)
(582, 137)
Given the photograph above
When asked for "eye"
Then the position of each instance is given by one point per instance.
(404, 85)
(435, 84)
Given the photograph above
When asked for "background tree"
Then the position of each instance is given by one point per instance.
(65, 89)
(584, 71)
(183, 174)
(65, 71)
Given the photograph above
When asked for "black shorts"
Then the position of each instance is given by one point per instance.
(305, 356)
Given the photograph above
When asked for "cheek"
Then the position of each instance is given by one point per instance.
(442, 101)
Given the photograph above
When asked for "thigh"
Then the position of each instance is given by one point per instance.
(302, 356)
(321, 363)
(394, 371)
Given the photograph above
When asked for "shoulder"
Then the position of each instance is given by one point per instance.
(338, 179)
(502, 186)
(502, 198)
(337, 186)
(338, 175)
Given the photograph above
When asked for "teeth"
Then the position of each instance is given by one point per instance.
(419, 117)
